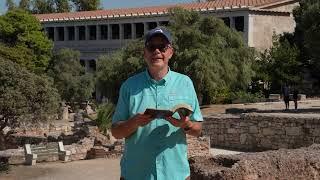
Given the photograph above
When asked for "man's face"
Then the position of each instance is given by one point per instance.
(157, 53)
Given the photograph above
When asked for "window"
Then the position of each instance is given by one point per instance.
(226, 21)
(82, 32)
(239, 23)
(60, 33)
(115, 31)
(104, 32)
(50, 33)
(152, 25)
(139, 30)
(92, 32)
(164, 23)
(127, 31)
(92, 65)
(71, 35)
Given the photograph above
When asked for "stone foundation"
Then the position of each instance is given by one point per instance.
(262, 131)
(301, 163)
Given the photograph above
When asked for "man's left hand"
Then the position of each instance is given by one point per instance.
(183, 123)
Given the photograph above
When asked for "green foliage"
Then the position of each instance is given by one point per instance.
(10, 4)
(25, 5)
(104, 119)
(245, 97)
(86, 5)
(62, 6)
(213, 55)
(279, 65)
(69, 76)
(210, 53)
(307, 34)
(23, 41)
(43, 6)
(113, 70)
(24, 96)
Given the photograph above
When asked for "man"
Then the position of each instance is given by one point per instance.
(286, 95)
(156, 148)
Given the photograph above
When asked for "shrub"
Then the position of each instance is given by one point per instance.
(104, 119)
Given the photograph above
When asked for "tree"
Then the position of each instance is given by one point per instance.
(10, 4)
(113, 70)
(43, 6)
(86, 5)
(212, 55)
(24, 97)
(307, 34)
(279, 65)
(23, 41)
(62, 6)
(73, 84)
(25, 5)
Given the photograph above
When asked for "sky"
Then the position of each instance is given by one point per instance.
(110, 4)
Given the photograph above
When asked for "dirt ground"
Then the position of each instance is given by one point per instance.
(96, 169)
(109, 169)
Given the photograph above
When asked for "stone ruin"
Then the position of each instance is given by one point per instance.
(303, 163)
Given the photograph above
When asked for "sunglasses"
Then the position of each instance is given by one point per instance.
(161, 47)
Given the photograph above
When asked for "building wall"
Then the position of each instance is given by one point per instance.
(284, 7)
(256, 132)
(263, 26)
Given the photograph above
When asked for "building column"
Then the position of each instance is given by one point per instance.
(246, 28)
(56, 36)
(146, 27)
(121, 31)
(133, 31)
(232, 23)
(66, 33)
(98, 31)
(76, 33)
(87, 33)
(109, 32)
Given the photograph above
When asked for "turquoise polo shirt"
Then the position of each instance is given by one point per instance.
(158, 150)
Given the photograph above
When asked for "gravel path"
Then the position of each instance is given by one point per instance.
(96, 169)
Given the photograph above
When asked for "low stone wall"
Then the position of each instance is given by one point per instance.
(262, 131)
(301, 163)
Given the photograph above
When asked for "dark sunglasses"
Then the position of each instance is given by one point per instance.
(161, 47)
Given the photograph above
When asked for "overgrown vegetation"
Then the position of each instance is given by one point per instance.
(104, 118)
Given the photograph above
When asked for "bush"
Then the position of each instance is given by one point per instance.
(246, 97)
(4, 165)
(104, 119)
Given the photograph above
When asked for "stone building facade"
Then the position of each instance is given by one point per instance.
(96, 33)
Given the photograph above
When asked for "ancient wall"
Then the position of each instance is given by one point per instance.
(262, 131)
(303, 163)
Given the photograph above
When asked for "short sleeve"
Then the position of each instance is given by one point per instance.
(122, 109)
(196, 116)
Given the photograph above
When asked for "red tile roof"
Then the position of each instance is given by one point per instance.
(157, 10)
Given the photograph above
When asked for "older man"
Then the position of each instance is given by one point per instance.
(156, 148)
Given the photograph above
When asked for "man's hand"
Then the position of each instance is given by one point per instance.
(189, 127)
(184, 122)
(142, 119)
(123, 129)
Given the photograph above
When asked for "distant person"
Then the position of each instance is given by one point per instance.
(295, 98)
(286, 95)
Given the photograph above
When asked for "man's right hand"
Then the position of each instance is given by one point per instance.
(123, 129)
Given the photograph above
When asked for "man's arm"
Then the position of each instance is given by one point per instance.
(123, 129)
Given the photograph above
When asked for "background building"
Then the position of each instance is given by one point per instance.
(94, 33)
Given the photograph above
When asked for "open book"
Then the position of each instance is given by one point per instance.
(183, 109)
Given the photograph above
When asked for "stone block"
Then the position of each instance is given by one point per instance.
(268, 131)
(293, 131)
(253, 129)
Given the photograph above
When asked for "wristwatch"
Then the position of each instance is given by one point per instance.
(186, 128)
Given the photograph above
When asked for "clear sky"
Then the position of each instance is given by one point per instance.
(110, 4)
